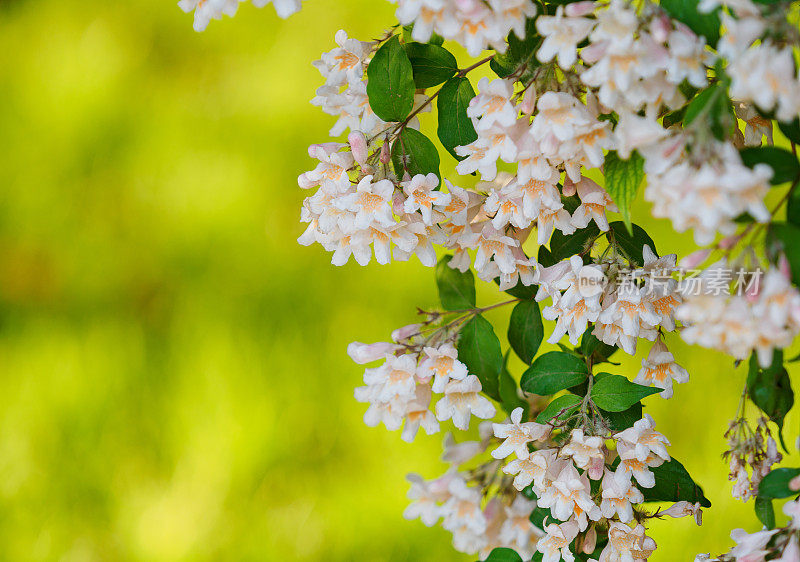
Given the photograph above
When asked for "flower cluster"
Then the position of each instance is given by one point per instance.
(753, 450)
(401, 388)
(207, 10)
(763, 317)
(475, 24)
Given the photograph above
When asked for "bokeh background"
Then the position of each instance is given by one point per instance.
(173, 377)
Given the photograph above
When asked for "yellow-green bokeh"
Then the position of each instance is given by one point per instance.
(174, 384)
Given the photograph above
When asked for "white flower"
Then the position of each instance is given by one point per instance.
(684, 509)
(583, 449)
(561, 37)
(555, 544)
(517, 436)
(418, 415)
(641, 440)
(363, 353)
(594, 203)
(517, 529)
(568, 491)
(345, 63)
(425, 497)
(371, 203)
(532, 469)
(463, 508)
(492, 105)
(751, 546)
(462, 399)
(422, 197)
(442, 365)
(618, 497)
(626, 544)
(660, 369)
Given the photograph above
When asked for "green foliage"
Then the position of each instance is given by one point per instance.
(593, 348)
(479, 349)
(455, 128)
(507, 388)
(554, 371)
(715, 107)
(765, 511)
(775, 485)
(621, 421)
(784, 164)
(770, 388)
(520, 52)
(785, 238)
(623, 179)
(520, 291)
(791, 130)
(686, 11)
(560, 409)
(673, 483)
(414, 153)
(503, 555)
(525, 330)
(390, 85)
(431, 64)
(630, 245)
(563, 245)
(615, 393)
(456, 289)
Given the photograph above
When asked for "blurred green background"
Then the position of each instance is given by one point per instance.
(174, 380)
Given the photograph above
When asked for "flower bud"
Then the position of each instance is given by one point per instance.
(528, 104)
(405, 332)
(694, 259)
(794, 484)
(577, 9)
(569, 188)
(728, 242)
(590, 541)
(660, 28)
(386, 157)
(363, 353)
(784, 268)
(358, 146)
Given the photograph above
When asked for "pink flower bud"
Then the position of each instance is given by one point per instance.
(590, 541)
(363, 353)
(596, 468)
(405, 332)
(660, 28)
(694, 259)
(729, 242)
(386, 157)
(358, 146)
(794, 484)
(569, 188)
(528, 104)
(577, 9)
(784, 268)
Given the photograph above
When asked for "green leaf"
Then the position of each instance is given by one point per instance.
(509, 398)
(770, 388)
(563, 245)
(784, 164)
(791, 130)
(714, 105)
(545, 257)
(765, 511)
(503, 555)
(623, 179)
(673, 484)
(479, 349)
(520, 291)
(785, 237)
(615, 393)
(592, 347)
(390, 85)
(560, 409)
(456, 289)
(703, 24)
(455, 128)
(621, 421)
(775, 485)
(554, 371)
(432, 64)
(414, 153)
(519, 52)
(525, 330)
(631, 246)
(538, 515)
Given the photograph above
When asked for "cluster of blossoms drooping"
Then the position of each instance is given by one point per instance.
(780, 545)
(550, 475)
(475, 24)
(681, 92)
(207, 10)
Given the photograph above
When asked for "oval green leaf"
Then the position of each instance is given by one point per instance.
(554, 371)
(615, 393)
(456, 289)
(525, 330)
(455, 128)
(390, 82)
(479, 349)
(414, 153)
(432, 64)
